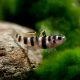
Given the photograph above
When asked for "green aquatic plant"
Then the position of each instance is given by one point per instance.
(62, 66)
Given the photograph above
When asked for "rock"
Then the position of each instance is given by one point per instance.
(15, 61)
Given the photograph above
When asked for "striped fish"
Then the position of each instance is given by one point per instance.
(42, 42)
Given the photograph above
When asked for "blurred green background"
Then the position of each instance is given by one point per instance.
(53, 16)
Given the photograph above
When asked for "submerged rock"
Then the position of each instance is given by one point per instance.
(15, 61)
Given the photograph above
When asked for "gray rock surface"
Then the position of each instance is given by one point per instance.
(15, 61)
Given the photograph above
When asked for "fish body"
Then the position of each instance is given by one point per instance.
(42, 42)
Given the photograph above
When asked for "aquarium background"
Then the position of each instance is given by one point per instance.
(55, 17)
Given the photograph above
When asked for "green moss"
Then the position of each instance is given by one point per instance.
(63, 66)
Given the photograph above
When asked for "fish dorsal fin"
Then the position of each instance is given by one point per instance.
(29, 34)
(43, 33)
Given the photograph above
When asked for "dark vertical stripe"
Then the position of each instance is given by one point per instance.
(25, 40)
(54, 37)
(54, 41)
(19, 38)
(36, 39)
(16, 35)
(44, 42)
(49, 38)
(32, 41)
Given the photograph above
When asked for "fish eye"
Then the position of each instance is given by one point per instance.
(59, 38)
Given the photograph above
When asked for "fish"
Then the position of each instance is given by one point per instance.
(42, 42)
